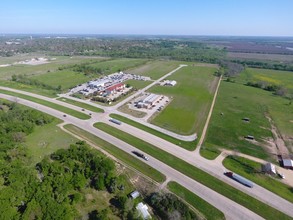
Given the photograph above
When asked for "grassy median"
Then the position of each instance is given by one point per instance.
(188, 145)
(209, 211)
(200, 176)
(82, 105)
(48, 104)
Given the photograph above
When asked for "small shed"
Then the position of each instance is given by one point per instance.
(134, 194)
(288, 163)
(246, 119)
(143, 210)
(269, 168)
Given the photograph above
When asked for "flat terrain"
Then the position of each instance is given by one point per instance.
(260, 56)
(138, 84)
(155, 69)
(121, 64)
(46, 140)
(192, 97)
(277, 77)
(237, 101)
(66, 79)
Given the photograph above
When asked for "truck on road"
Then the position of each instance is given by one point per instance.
(239, 179)
(140, 155)
(115, 121)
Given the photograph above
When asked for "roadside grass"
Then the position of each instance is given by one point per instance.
(82, 105)
(47, 139)
(252, 170)
(205, 208)
(28, 88)
(117, 153)
(121, 64)
(237, 101)
(188, 145)
(197, 174)
(155, 69)
(48, 104)
(125, 109)
(66, 79)
(191, 99)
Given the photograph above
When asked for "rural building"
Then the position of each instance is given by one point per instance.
(288, 163)
(96, 84)
(143, 210)
(250, 137)
(147, 101)
(246, 119)
(170, 83)
(269, 168)
(114, 88)
(134, 194)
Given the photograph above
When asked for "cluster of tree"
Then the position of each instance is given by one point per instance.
(24, 79)
(168, 206)
(230, 69)
(178, 49)
(266, 65)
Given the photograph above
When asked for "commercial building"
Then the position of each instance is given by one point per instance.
(269, 168)
(148, 101)
(114, 88)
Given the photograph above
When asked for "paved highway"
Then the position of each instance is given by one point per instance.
(231, 209)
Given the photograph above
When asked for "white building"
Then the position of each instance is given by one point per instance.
(170, 83)
(270, 168)
(96, 84)
(143, 210)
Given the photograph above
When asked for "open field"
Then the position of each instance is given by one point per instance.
(277, 77)
(121, 64)
(46, 140)
(48, 104)
(260, 56)
(82, 105)
(117, 153)
(66, 79)
(188, 145)
(252, 170)
(7, 72)
(192, 97)
(138, 84)
(155, 69)
(209, 211)
(182, 166)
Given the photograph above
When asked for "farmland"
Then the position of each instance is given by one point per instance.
(155, 69)
(191, 96)
(236, 101)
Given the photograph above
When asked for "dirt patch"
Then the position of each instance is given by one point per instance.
(278, 139)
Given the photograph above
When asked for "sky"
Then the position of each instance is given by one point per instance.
(151, 17)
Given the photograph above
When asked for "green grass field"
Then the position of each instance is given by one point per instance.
(252, 170)
(138, 84)
(202, 177)
(66, 79)
(192, 97)
(121, 64)
(117, 153)
(48, 104)
(237, 101)
(188, 145)
(155, 69)
(206, 209)
(46, 140)
(277, 77)
(82, 105)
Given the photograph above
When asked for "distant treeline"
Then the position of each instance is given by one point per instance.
(184, 50)
(265, 65)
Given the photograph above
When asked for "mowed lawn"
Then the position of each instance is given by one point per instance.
(66, 79)
(191, 100)
(236, 101)
(155, 69)
(138, 84)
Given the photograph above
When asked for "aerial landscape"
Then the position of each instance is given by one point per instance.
(146, 110)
